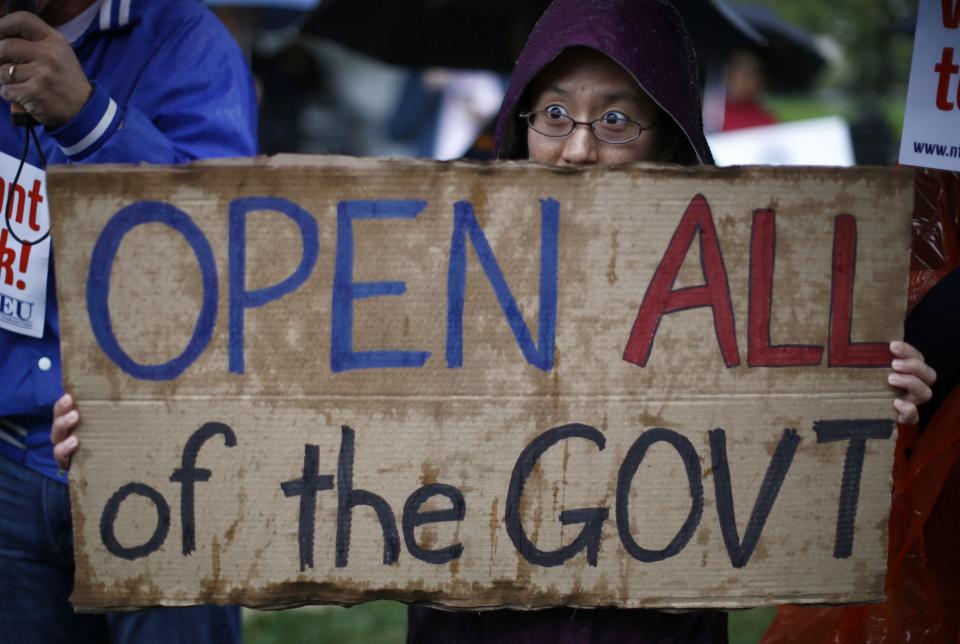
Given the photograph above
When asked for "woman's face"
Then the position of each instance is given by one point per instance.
(586, 85)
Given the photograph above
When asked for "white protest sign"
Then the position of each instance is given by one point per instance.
(820, 141)
(23, 267)
(931, 125)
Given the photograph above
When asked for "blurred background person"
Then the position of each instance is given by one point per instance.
(744, 86)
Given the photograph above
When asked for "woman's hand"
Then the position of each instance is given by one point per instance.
(66, 417)
(913, 377)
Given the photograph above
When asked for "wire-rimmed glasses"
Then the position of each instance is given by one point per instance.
(609, 128)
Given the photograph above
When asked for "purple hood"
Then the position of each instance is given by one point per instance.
(646, 37)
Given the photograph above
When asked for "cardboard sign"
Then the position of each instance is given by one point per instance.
(332, 380)
(932, 118)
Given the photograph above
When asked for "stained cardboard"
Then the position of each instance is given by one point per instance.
(248, 429)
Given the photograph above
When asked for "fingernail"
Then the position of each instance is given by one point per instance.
(897, 364)
(71, 442)
(72, 416)
(896, 345)
(892, 378)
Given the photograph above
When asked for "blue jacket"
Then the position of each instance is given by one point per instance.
(170, 85)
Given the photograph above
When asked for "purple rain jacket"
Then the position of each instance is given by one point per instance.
(648, 39)
(645, 37)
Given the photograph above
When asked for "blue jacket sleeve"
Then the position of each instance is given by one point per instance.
(194, 98)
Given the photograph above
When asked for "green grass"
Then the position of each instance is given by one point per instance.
(380, 622)
(748, 626)
(385, 622)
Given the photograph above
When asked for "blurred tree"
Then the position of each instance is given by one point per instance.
(870, 32)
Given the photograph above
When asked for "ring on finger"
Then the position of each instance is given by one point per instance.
(10, 70)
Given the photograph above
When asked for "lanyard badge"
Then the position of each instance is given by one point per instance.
(24, 247)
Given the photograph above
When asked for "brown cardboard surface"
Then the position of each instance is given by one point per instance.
(461, 430)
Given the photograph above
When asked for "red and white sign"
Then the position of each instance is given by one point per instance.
(23, 267)
(931, 126)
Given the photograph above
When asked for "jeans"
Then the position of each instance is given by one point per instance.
(36, 579)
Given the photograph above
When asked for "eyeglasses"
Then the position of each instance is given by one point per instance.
(609, 128)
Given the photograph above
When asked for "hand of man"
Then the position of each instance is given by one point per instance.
(39, 71)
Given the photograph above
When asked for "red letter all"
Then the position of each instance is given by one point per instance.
(760, 353)
(843, 352)
(661, 299)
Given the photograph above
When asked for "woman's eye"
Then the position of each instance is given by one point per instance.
(556, 110)
(614, 118)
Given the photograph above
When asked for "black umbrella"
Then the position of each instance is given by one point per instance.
(469, 34)
(717, 29)
(480, 34)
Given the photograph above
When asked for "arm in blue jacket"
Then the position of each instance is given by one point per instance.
(170, 88)
(193, 99)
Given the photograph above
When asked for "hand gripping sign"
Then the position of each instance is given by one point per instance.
(331, 380)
